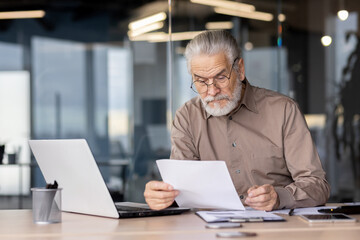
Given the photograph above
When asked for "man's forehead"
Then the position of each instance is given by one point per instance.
(208, 63)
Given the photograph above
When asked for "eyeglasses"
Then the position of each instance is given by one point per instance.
(200, 84)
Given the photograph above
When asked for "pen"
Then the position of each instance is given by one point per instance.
(291, 212)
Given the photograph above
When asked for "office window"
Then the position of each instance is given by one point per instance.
(59, 82)
(92, 76)
(14, 132)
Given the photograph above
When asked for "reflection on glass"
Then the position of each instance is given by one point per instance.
(14, 132)
(119, 98)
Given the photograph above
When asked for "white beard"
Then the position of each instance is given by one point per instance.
(216, 110)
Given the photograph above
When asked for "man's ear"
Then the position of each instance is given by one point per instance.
(241, 69)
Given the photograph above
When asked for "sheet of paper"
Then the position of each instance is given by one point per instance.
(202, 184)
(302, 211)
(224, 216)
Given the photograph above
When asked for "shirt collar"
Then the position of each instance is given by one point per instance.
(247, 100)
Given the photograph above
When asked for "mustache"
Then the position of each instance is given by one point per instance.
(219, 97)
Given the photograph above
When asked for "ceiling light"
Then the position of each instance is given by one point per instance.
(326, 41)
(156, 36)
(180, 36)
(219, 25)
(164, 37)
(281, 17)
(343, 15)
(252, 15)
(22, 14)
(148, 20)
(248, 46)
(226, 4)
(145, 29)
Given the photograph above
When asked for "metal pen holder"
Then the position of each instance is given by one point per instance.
(46, 205)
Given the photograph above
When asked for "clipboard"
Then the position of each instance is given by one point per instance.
(239, 216)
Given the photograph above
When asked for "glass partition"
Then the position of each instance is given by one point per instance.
(114, 73)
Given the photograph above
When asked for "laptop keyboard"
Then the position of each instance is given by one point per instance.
(127, 208)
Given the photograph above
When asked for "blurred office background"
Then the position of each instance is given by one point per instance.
(113, 72)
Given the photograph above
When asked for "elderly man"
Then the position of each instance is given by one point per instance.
(260, 134)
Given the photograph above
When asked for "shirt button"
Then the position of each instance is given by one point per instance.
(241, 196)
(230, 118)
(237, 171)
(234, 144)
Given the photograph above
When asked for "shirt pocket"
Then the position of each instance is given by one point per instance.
(268, 166)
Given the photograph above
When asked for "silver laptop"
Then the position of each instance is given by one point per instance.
(72, 165)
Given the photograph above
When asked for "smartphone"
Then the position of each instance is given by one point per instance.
(235, 234)
(223, 225)
(322, 218)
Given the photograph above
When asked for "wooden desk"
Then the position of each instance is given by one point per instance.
(18, 224)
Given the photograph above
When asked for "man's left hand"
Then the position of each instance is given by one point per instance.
(263, 198)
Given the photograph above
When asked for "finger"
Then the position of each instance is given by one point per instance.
(259, 198)
(161, 201)
(158, 185)
(162, 196)
(150, 194)
(265, 202)
(263, 205)
(264, 197)
(267, 207)
(158, 206)
(252, 188)
(264, 189)
(253, 202)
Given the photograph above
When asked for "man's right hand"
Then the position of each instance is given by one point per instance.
(159, 195)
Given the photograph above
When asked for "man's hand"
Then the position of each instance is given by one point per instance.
(263, 197)
(159, 195)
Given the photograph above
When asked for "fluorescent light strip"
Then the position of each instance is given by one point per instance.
(219, 25)
(148, 20)
(157, 36)
(145, 29)
(252, 15)
(164, 37)
(226, 4)
(179, 36)
(22, 14)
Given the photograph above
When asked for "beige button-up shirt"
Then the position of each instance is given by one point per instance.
(264, 141)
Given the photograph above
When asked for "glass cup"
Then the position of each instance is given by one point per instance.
(46, 205)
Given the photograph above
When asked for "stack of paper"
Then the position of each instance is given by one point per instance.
(250, 215)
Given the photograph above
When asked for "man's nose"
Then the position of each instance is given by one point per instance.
(212, 90)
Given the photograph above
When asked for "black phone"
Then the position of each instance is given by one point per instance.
(347, 209)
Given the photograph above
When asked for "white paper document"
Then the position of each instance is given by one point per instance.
(302, 211)
(202, 184)
(250, 215)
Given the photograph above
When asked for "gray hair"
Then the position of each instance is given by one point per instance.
(210, 43)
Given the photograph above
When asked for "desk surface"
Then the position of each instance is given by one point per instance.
(17, 224)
